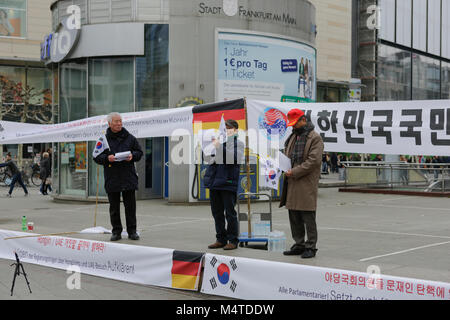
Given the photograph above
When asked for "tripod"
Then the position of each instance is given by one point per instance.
(19, 266)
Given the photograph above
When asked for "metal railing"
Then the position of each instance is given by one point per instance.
(425, 177)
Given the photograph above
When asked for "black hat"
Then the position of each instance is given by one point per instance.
(231, 124)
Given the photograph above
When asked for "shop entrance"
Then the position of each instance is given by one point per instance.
(150, 169)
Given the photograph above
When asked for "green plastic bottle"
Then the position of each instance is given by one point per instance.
(24, 223)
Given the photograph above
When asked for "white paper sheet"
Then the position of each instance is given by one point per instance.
(121, 156)
(284, 162)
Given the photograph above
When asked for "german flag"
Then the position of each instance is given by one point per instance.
(186, 267)
(208, 116)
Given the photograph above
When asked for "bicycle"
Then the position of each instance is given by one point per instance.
(36, 175)
(5, 176)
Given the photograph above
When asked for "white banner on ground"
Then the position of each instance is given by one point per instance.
(391, 127)
(245, 278)
(136, 264)
(154, 123)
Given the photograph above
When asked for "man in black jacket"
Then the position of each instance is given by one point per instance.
(16, 175)
(222, 177)
(120, 176)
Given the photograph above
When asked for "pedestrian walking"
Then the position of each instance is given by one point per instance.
(44, 173)
(16, 175)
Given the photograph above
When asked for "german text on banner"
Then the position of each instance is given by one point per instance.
(154, 123)
(136, 264)
(245, 278)
(388, 127)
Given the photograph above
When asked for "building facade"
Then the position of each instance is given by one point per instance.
(136, 55)
(334, 49)
(403, 49)
(26, 85)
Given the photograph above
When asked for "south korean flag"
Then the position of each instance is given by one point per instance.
(100, 146)
(271, 172)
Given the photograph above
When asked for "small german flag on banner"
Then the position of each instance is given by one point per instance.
(186, 267)
(208, 116)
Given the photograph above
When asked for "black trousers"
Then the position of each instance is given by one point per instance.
(129, 201)
(222, 208)
(301, 220)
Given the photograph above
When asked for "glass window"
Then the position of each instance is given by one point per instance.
(12, 81)
(446, 29)
(387, 29)
(434, 27)
(55, 95)
(152, 70)
(111, 86)
(426, 78)
(40, 100)
(420, 25)
(73, 161)
(394, 74)
(404, 22)
(73, 91)
(13, 18)
(445, 80)
(73, 156)
(30, 89)
(328, 94)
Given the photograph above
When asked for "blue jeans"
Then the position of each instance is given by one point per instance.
(17, 178)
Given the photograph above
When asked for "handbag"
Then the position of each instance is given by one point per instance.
(8, 181)
(48, 180)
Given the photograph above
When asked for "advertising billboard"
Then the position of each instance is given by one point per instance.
(264, 67)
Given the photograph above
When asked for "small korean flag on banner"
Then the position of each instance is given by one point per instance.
(271, 173)
(100, 146)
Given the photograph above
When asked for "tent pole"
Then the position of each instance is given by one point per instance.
(247, 164)
(96, 198)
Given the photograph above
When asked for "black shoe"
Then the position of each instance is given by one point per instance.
(133, 236)
(116, 236)
(294, 252)
(309, 253)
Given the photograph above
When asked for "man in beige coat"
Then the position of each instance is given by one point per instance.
(304, 147)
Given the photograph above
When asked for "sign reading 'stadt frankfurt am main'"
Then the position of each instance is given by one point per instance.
(231, 8)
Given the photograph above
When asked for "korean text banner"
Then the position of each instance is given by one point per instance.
(391, 127)
(155, 123)
(244, 278)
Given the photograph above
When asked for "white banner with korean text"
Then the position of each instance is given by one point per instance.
(244, 278)
(388, 127)
(136, 264)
